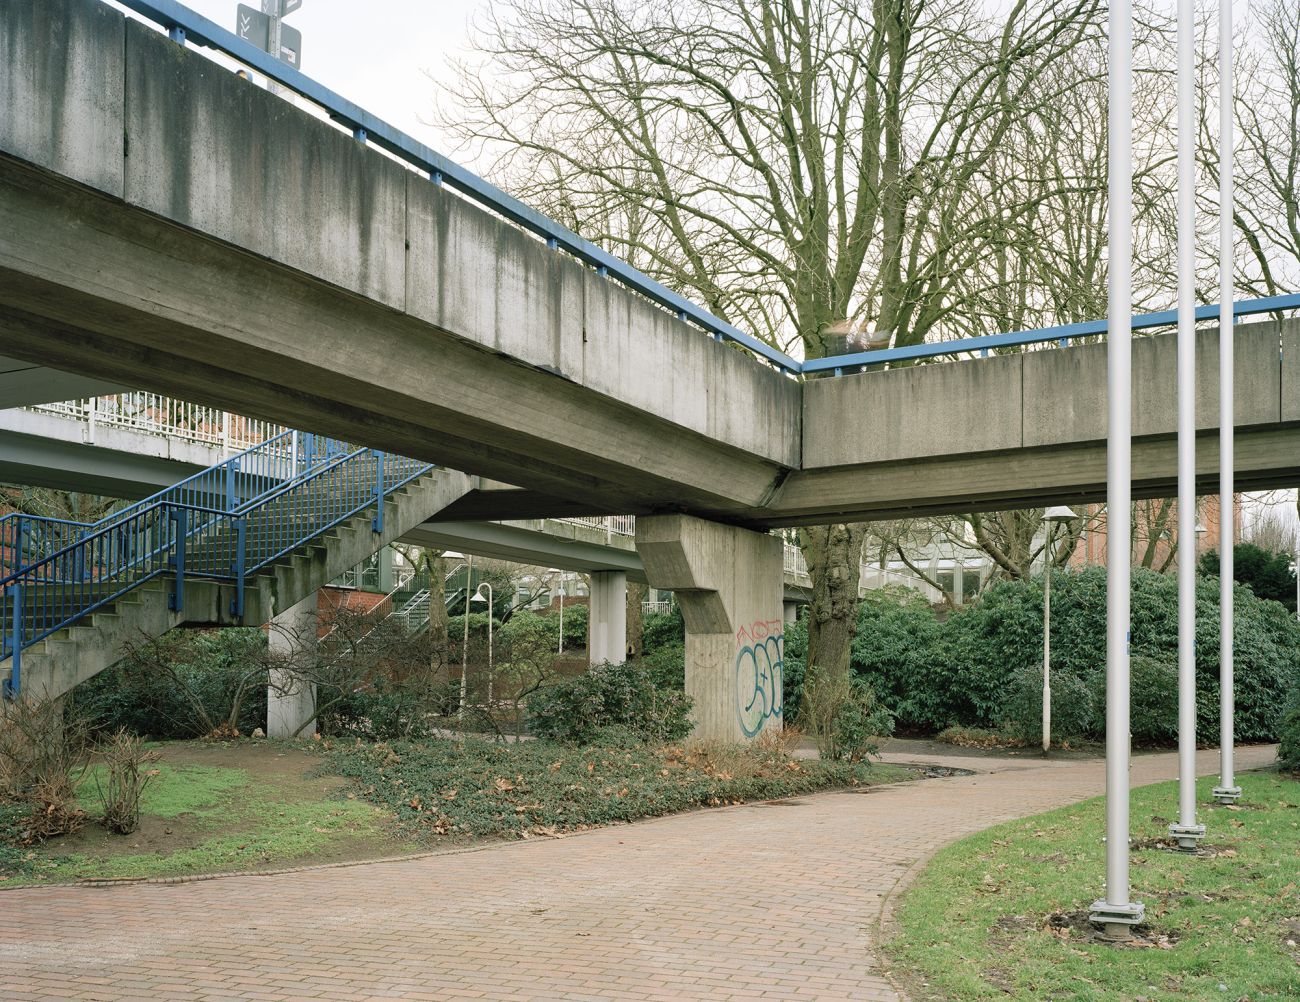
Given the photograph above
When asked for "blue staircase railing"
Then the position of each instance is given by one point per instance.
(243, 477)
(227, 523)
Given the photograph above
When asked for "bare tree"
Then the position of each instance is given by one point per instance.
(792, 164)
(1266, 210)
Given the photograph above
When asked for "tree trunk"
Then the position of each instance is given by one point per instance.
(439, 645)
(635, 619)
(834, 557)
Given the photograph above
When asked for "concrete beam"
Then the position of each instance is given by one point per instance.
(542, 543)
(252, 256)
(940, 438)
(71, 296)
(46, 450)
(23, 384)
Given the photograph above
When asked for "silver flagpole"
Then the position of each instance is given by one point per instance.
(1116, 912)
(1186, 831)
(1227, 791)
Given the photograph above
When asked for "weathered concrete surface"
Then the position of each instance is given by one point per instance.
(61, 88)
(211, 152)
(1290, 383)
(674, 908)
(727, 582)
(1031, 428)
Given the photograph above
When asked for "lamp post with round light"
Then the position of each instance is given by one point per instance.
(1055, 515)
(477, 599)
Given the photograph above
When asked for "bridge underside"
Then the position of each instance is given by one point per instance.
(119, 298)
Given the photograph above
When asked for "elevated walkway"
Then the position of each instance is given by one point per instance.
(132, 443)
(456, 325)
(234, 545)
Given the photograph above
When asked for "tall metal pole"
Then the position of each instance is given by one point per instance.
(1116, 912)
(464, 650)
(1186, 831)
(1047, 640)
(1227, 791)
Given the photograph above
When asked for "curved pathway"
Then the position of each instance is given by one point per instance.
(776, 900)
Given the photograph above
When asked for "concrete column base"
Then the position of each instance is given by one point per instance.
(291, 697)
(607, 622)
(728, 582)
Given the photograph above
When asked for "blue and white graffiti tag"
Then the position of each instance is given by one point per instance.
(759, 663)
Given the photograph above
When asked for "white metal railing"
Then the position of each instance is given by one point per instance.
(652, 608)
(166, 417)
(611, 525)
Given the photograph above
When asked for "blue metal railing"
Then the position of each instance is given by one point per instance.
(838, 364)
(243, 477)
(174, 535)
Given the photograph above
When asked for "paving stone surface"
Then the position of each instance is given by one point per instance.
(762, 901)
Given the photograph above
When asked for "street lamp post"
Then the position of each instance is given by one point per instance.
(1055, 515)
(464, 651)
(560, 649)
(478, 598)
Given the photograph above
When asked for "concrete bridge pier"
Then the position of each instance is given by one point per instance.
(728, 582)
(790, 611)
(291, 695)
(607, 622)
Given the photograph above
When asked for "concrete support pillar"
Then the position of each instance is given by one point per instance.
(607, 622)
(290, 697)
(728, 583)
(387, 577)
(790, 611)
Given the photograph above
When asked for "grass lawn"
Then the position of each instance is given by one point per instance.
(1002, 914)
(214, 807)
(246, 805)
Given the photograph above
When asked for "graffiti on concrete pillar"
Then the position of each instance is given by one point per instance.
(759, 662)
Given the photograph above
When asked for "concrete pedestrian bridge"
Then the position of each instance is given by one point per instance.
(171, 226)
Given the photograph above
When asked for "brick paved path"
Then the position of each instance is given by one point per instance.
(758, 901)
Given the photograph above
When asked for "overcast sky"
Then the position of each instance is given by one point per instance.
(375, 52)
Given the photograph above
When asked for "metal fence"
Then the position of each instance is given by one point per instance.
(165, 417)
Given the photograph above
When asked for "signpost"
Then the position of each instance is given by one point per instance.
(265, 29)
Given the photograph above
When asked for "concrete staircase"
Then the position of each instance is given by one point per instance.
(54, 665)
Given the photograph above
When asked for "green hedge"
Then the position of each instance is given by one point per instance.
(1264, 572)
(578, 710)
(983, 666)
(663, 629)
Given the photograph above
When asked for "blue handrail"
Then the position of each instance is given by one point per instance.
(233, 482)
(172, 535)
(1066, 332)
(185, 25)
